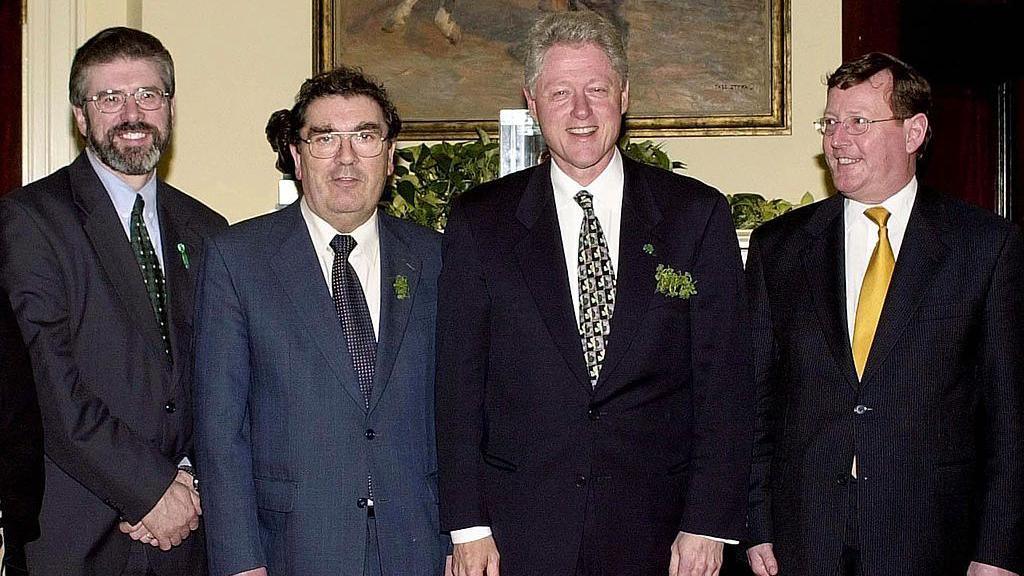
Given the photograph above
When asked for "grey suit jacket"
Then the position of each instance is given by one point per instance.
(284, 441)
(116, 413)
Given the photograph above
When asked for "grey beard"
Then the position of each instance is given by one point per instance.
(134, 161)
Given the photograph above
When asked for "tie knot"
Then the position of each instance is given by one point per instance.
(343, 244)
(878, 215)
(585, 200)
(139, 205)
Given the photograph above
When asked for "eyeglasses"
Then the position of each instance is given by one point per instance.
(365, 143)
(854, 125)
(112, 101)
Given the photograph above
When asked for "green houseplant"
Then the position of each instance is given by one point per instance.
(428, 178)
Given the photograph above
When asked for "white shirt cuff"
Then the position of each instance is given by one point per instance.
(722, 540)
(470, 534)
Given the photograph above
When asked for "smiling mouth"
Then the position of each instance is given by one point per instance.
(132, 136)
(843, 161)
(582, 130)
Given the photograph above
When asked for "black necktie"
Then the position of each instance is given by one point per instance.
(597, 287)
(151, 271)
(354, 314)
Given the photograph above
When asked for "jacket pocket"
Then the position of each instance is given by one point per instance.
(499, 463)
(276, 495)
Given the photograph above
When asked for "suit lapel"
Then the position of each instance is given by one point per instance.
(396, 259)
(294, 261)
(634, 279)
(541, 258)
(177, 237)
(921, 254)
(113, 250)
(825, 270)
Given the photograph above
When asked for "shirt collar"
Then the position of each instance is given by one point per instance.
(121, 194)
(608, 183)
(899, 204)
(321, 232)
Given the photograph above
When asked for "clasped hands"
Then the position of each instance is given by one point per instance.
(173, 517)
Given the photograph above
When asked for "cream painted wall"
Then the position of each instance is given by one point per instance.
(239, 60)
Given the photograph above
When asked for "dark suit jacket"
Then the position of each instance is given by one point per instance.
(116, 413)
(21, 438)
(285, 443)
(565, 475)
(940, 450)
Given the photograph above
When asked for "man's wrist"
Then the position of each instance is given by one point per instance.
(188, 469)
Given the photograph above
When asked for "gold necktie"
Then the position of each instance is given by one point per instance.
(872, 292)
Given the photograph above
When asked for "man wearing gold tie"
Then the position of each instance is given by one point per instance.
(888, 328)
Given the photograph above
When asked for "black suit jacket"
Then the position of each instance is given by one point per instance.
(939, 444)
(116, 412)
(565, 475)
(21, 438)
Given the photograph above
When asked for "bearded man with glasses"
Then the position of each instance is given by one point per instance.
(99, 261)
(888, 330)
(315, 360)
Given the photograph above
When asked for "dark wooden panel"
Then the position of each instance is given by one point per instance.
(10, 95)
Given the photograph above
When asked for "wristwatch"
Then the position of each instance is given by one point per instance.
(187, 469)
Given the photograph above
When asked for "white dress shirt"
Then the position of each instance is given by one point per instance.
(365, 257)
(123, 197)
(606, 190)
(862, 236)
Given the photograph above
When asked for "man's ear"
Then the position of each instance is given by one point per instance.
(531, 102)
(80, 121)
(297, 158)
(915, 129)
(624, 98)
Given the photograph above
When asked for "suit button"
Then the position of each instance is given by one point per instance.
(594, 414)
(581, 480)
(170, 407)
(361, 503)
(841, 478)
(860, 409)
(370, 434)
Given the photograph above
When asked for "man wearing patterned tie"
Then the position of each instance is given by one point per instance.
(888, 327)
(593, 416)
(98, 261)
(315, 361)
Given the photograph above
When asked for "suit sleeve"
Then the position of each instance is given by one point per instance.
(223, 444)
(1001, 375)
(763, 365)
(715, 502)
(463, 340)
(81, 435)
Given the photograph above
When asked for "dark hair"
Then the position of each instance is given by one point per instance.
(113, 44)
(911, 93)
(284, 125)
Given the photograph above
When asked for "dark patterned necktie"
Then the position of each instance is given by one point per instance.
(597, 287)
(151, 271)
(354, 314)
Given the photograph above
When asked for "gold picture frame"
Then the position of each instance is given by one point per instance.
(696, 68)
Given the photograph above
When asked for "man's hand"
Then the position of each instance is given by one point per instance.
(762, 560)
(476, 558)
(448, 566)
(143, 534)
(979, 569)
(694, 555)
(174, 516)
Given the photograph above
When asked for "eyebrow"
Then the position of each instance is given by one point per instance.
(325, 128)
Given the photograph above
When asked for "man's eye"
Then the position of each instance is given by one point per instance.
(111, 98)
(324, 139)
(365, 136)
(857, 120)
(146, 95)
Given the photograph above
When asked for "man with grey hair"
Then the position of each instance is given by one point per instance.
(592, 398)
(98, 262)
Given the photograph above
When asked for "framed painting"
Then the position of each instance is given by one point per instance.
(697, 67)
